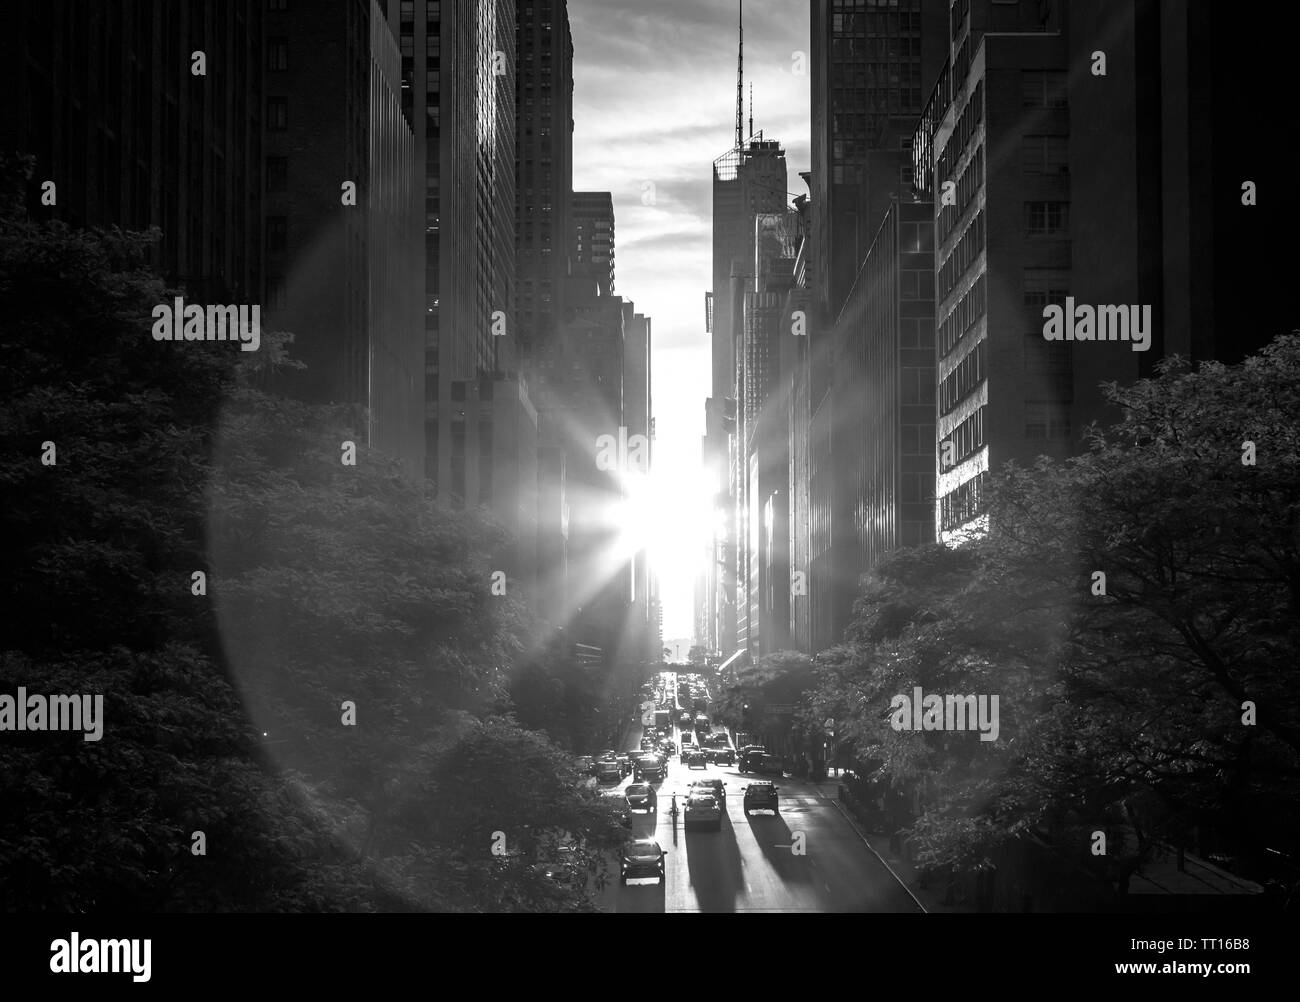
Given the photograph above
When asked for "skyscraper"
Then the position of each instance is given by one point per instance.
(871, 64)
(458, 90)
(342, 265)
(105, 97)
(1089, 162)
(748, 181)
(544, 170)
(593, 239)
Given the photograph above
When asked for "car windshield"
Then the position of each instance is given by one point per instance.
(637, 790)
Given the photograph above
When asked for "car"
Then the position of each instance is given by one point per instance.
(668, 747)
(765, 764)
(702, 810)
(622, 807)
(609, 771)
(748, 754)
(761, 796)
(724, 756)
(642, 797)
(695, 760)
(650, 766)
(715, 787)
(647, 743)
(642, 857)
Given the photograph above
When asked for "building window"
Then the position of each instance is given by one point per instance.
(277, 114)
(1044, 286)
(277, 54)
(277, 6)
(277, 173)
(1045, 155)
(1047, 218)
(277, 234)
(1043, 88)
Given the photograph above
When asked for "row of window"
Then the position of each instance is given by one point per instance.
(1043, 286)
(957, 14)
(967, 439)
(964, 379)
(962, 504)
(967, 313)
(1045, 420)
(966, 253)
(969, 184)
(972, 115)
(961, 61)
(902, 22)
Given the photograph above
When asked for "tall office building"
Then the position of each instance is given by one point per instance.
(592, 254)
(638, 419)
(1115, 182)
(342, 266)
(544, 170)
(104, 96)
(870, 64)
(764, 432)
(887, 372)
(458, 90)
(748, 181)
(796, 379)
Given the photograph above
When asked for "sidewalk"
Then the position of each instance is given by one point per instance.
(930, 898)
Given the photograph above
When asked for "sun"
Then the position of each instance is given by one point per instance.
(669, 515)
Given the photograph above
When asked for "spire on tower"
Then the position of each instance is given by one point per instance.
(740, 78)
(751, 108)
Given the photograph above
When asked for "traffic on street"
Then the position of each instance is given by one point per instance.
(705, 836)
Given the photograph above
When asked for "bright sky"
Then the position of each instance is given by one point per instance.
(655, 101)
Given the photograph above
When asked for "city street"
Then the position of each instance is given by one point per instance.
(748, 866)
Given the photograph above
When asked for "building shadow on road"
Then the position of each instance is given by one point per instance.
(716, 873)
(775, 838)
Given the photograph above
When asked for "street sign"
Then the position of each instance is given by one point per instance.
(828, 725)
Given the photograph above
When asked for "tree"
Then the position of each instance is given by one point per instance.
(1123, 705)
(327, 592)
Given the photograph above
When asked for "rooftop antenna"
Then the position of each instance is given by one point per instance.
(751, 109)
(740, 78)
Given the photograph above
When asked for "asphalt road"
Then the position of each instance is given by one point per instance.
(749, 865)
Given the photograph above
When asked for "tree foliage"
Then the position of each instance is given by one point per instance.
(1127, 709)
(224, 711)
